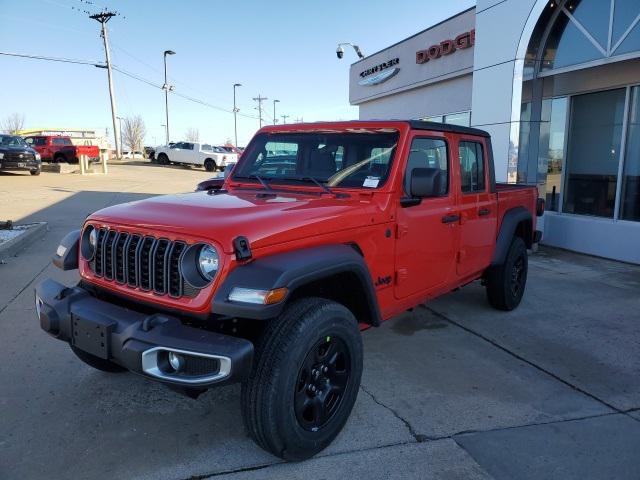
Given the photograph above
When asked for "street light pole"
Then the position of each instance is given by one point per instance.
(275, 119)
(235, 113)
(166, 89)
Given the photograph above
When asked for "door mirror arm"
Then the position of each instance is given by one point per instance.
(407, 201)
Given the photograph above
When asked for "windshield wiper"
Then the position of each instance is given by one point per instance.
(262, 181)
(313, 180)
(318, 183)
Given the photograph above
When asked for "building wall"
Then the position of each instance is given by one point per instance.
(450, 96)
(415, 79)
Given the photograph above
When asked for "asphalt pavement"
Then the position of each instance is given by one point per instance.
(451, 390)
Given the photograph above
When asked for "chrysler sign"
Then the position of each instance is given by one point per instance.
(447, 47)
(379, 73)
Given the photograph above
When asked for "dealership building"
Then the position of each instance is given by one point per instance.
(555, 83)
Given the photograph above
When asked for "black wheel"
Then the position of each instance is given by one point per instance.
(35, 172)
(506, 283)
(210, 165)
(163, 159)
(97, 363)
(59, 159)
(305, 379)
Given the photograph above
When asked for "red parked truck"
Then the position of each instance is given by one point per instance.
(55, 148)
(320, 231)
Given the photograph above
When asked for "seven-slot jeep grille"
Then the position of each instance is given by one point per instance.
(137, 261)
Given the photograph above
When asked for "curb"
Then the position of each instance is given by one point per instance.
(15, 245)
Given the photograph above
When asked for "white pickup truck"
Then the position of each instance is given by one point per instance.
(189, 153)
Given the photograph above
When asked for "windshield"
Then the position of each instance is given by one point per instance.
(335, 159)
(12, 141)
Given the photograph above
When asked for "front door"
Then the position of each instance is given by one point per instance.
(478, 216)
(427, 233)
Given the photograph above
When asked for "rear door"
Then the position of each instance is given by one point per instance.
(427, 240)
(478, 215)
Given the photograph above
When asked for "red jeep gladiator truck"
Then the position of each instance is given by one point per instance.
(54, 148)
(319, 232)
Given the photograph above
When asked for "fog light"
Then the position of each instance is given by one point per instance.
(176, 361)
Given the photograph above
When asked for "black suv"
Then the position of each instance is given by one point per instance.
(15, 154)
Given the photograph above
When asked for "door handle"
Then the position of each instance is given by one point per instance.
(450, 218)
(483, 212)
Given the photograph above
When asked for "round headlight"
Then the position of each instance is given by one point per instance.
(208, 262)
(89, 242)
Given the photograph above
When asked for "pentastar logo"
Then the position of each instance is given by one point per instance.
(447, 47)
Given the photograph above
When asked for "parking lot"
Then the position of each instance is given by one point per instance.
(451, 390)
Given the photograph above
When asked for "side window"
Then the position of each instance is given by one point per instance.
(58, 141)
(66, 141)
(29, 140)
(207, 148)
(429, 153)
(187, 146)
(471, 167)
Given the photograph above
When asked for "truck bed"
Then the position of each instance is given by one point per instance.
(511, 195)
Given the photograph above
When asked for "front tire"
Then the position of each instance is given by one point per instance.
(97, 363)
(163, 159)
(305, 379)
(35, 172)
(506, 283)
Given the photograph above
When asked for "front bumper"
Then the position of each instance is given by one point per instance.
(141, 343)
(11, 165)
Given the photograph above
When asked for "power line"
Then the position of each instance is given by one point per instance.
(53, 59)
(128, 74)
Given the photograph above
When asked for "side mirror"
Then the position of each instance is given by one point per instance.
(227, 169)
(425, 182)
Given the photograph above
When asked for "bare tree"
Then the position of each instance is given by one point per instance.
(192, 135)
(133, 132)
(12, 123)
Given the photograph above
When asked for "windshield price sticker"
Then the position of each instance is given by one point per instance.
(371, 182)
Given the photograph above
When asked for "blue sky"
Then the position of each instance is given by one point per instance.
(283, 50)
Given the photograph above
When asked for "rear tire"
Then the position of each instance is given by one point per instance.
(305, 379)
(506, 283)
(210, 165)
(59, 159)
(97, 363)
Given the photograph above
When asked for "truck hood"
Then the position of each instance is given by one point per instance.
(265, 219)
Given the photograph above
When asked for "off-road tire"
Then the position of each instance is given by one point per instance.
(97, 363)
(282, 354)
(506, 283)
(35, 172)
(210, 165)
(163, 159)
(59, 159)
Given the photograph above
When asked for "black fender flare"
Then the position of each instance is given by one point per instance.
(512, 218)
(293, 270)
(66, 256)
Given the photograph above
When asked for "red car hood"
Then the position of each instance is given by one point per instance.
(264, 219)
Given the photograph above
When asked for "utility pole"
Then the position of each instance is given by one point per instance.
(299, 119)
(103, 18)
(284, 118)
(235, 113)
(260, 99)
(275, 119)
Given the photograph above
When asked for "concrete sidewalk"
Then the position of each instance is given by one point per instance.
(452, 390)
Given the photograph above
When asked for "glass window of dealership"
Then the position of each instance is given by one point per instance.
(584, 131)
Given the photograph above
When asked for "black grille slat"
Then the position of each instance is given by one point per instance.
(97, 258)
(159, 257)
(144, 259)
(146, 263)
(132, 260)
(120, 259)
(174, 276)
(108, 247)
